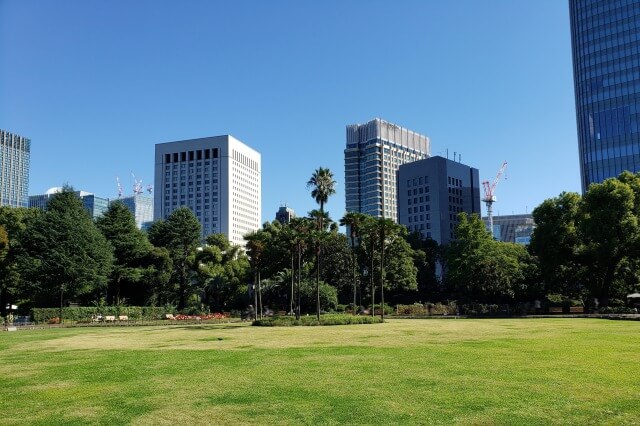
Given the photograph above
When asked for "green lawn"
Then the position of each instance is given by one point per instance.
(519, 371)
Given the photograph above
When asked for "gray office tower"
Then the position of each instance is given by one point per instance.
(15, 154)
(218, 178)
(141, 206)
(374, 152)
(605, 37)
(433, 192)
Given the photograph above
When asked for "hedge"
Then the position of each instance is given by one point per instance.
(147, 313)
(331, 319)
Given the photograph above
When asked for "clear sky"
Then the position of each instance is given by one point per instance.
(95, 84)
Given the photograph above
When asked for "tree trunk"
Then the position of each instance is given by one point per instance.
(292, 280)
(260, 293)
(299, 280)
(373, 284)
(318, 281)
(354, 260)
(255, 296)
(382, 277)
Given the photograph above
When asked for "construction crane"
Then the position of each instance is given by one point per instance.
(137, 185)
(119, 187)
(149, 189)
(489, 194)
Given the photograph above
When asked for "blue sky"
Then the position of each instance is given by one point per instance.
(95, 84)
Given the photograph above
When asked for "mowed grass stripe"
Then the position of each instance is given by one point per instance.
(547, 371)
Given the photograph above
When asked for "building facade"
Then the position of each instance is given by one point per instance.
(514, 228)
(141, 206)
(285, 214)
(15, 156)
(432, 192)
(374, 152)
(95, 206)
(218, 178)
(605, 38)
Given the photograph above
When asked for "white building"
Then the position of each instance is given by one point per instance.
(218, 178)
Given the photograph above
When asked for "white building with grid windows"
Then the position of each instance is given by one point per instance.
(218, 178)
(15, 155)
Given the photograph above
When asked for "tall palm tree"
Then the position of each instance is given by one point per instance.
(369, 236)
(323, 186)
(255, 250)
(353, 220)
(301, 228)
(387, 230)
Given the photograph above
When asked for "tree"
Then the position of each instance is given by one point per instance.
(68, 255)
(14, 288)
(257, 242)
(353, 221)
(130, 247)
(323, 186)
(481, 269)
(556, 243)
(180, 235)
(426, 253)
(610, 232)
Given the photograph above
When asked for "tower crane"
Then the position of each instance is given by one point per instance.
(489, 194)
(119, 187)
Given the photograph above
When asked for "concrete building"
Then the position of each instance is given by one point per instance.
(374, 152)
(95, 206)
(512, 228)
(218, 178)
(606, 58)
(285, 214)
(15, 156)
(432, 192)
(141, 206)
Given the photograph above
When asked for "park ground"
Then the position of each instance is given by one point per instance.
(432, 371)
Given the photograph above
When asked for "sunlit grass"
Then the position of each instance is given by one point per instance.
(404, 371)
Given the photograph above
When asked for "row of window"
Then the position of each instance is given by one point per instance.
(191, 155)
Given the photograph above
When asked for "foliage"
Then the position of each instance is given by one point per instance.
(327, 319)
(131, 248)
(180, 235)
(65, 254)
(87, 313)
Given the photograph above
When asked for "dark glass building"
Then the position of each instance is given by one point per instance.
(605, 38)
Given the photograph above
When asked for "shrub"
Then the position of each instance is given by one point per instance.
(412, 310)
(87, 313)
(388, 310)
(616, 310)
(329, 319)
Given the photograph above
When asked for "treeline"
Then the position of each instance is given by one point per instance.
(584, 250)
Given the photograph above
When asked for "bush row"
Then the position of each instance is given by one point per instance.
(419, 309)
(330, 319)
(40, 315)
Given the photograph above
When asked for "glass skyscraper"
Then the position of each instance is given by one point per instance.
(605, 38)
(15, 154)
(375, 150)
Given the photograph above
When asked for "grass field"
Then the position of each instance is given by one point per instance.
(512, 371)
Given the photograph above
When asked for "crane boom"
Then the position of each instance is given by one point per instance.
(490, 194)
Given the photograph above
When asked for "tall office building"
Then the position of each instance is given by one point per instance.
(15, 155)
(605, 38)
(218, 178)
(141, 206)
(374, 152)
(512, 228)
(432, 192)
(285, 214)
(95, 206)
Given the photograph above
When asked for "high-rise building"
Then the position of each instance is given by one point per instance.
(218, 178)
(285, 214)
(432, 192)
(512, 228)
(374, 152)
(15, 155)
(95, 206)
(605, 38)
(141, 206)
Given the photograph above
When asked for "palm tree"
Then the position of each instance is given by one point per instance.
(323, 186)
(255, 249)
(301, 228)
(369, 234)
(353, 221)
(387, 230)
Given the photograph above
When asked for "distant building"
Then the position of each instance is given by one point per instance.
(218, 178)
(96, 206)
(285, 214)
(15, 155)
(606, 57)
(512, 228)
(141, 206)
(432, 192)
(375, 150)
